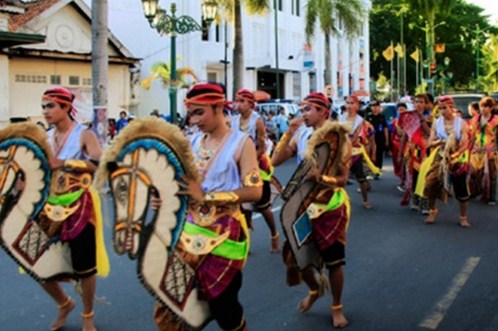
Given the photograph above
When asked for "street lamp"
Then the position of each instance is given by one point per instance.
(171, 24)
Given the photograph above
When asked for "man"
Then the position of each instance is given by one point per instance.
(250, 122)
(76, 152)
(416, 149)
(448, 138)
(355, 124)
(325, 227)
(381, 135)
(226, 160)
(483, 153)
(396, 136)
(122, 122)
(282, 122)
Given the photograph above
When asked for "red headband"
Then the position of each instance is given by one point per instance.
(205, 93)
(60, 95)
(246, 95)
(446, 99)
(318, 100)
(354, 98)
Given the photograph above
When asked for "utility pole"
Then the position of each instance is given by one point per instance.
(100, 68)
(276, 50)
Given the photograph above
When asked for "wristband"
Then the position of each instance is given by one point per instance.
(331, 180)
(221, 198)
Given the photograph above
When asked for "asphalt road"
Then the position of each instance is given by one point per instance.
(400, 275)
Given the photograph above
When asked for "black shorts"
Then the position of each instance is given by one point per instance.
(83, 252)
(460, 187)
(334, 256)
(265, 200)
(357, 170)
(226, 308)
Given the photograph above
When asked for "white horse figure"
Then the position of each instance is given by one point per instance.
(24, 188)
(147, 158)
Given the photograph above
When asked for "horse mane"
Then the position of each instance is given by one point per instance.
(27, 130)
(150, 127)
(319, 136)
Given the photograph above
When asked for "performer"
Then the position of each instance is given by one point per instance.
(329, 227)
(483, 153)
(448, 162)
(396, 136)
(381, 133)
(226, 160)
(76, 154)
(250, 122)
(355, 122)
(415, 147)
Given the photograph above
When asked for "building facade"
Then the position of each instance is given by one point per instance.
(60, 56)
(275, 44)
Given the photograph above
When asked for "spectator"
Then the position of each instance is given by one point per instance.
(122, 122)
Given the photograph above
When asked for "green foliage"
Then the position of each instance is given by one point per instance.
(327, 14)
(385, 27)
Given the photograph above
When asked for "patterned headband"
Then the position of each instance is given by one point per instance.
(205, 93)
(318, 100)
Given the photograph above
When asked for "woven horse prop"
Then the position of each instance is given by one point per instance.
(325, 151)
(147, 159)
(25, 178)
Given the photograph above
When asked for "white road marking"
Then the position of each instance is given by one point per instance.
(272, 210)
(442, 306)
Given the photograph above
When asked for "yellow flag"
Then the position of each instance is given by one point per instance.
(415, 55)
(399, 50)
(388, 53)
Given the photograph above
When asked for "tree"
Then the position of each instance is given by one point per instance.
(161, 71)
(328, 14)
(428, 9)
(233, 8)
(454, 34)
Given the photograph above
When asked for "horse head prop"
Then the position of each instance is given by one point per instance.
(25, 178)
(148, 159)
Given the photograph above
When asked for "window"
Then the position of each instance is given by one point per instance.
(87, 81)
(212, 77)
(217, 33)
(74, 80)
(277, 3)
(312, 77)
(55, 79)
(296, 85)
(36, 79)
(296, 8)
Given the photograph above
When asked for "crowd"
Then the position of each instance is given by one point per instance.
(435, 153)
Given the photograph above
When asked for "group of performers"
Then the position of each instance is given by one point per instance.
(431, 155)
(437, 157)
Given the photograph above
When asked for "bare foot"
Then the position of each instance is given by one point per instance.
(464, 222)
(64, 311)
(339, 321)
(307, 303)
(275, 242)
(432, 216)
(88, 322)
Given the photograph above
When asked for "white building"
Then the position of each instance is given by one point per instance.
(301, 68)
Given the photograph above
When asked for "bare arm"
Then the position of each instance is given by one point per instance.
(250, 191)
(287, 146)
(260, 137)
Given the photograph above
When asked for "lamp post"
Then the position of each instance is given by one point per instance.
(171, 24)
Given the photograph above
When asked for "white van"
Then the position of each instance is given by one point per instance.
(289, 108)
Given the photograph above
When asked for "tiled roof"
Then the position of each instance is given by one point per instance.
(33, 10)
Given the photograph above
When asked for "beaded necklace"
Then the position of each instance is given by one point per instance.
(60, 142)
(204, 156)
